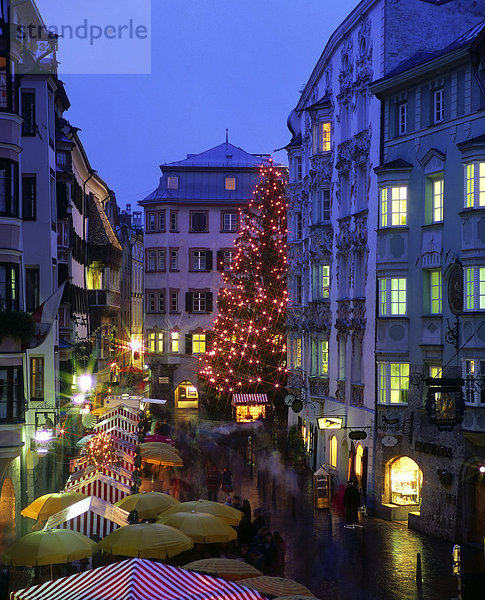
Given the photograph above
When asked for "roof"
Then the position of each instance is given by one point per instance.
(201, 177)
(394, 165)
(242, 399)
(100, 231)
(424, 56)
(226, 155)
(137, 579)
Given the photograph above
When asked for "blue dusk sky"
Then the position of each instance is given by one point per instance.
(214, 64)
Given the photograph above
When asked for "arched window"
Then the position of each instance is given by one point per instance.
(333, 451)
(359, 455)
(405, 479)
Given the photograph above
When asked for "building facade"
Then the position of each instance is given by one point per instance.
(191, 221)
(333, 218)
(430, 284)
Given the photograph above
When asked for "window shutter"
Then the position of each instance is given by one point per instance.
(220, 260)
(188, 302)
(209, 301)
(188, 343)
(208, 260)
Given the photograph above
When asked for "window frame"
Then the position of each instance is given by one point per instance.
(10, 198)
(172, 182)
(199, 342)
(402, 118)
(9, 297)
(227, 179)
(34, 374)
(435, 300)
(174, 260)
(12, 410)
(387, 290)
(29, 125)
(232, 228)
(385, 387)
(474, 289)
(391, 208)
(174, 301)
(29, 181)
(174, 342)
(322, 136)
(192, 214)
(438, 106)
(474, 184)
(174, 221)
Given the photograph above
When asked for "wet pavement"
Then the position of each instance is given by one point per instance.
(374, 562)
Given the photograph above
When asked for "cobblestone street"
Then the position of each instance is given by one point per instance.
(375, 562)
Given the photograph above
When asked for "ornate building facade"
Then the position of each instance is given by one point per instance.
(333, 218)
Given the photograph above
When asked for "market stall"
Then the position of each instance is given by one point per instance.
(249, 407)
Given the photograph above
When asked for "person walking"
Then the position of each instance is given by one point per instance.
(280, 554)
(213, 483)
(352, 503)
(227, 486)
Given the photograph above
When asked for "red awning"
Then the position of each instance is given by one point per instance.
(248, 399)
(137, 579)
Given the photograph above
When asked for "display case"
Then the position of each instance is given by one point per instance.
(322, 488)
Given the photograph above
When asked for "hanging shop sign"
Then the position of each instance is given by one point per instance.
(357, 435)
(389, 441)
(445, 403)
(329, 422)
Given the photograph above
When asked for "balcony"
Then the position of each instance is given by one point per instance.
(105, 298)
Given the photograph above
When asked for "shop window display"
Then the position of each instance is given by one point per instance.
(406, 479)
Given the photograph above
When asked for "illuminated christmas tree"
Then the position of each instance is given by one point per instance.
(247, 347)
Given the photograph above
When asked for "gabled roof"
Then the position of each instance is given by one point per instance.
(225, 155)
(100, 231)
(394, 165)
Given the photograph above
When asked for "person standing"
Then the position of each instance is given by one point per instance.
(213, 483)
(227, 486)
(351, 503)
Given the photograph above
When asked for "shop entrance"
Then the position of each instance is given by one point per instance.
(405, 480)
(186, 395)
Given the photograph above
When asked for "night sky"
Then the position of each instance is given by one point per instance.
(215, 64)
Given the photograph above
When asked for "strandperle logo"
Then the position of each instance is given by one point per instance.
(89, 37)
(84, 31)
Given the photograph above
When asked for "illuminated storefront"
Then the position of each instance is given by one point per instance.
(249, 407)
(186, 395)
(405, 481)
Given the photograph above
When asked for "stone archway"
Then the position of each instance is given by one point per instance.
(186, 395)
(403, 482)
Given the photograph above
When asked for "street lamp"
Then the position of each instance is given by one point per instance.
(85, 382)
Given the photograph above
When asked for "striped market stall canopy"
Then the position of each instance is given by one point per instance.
(247, 399)
(109, 483)
(91, 516)
(137, 579)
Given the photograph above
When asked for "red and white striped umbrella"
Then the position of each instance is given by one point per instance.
(137, 579)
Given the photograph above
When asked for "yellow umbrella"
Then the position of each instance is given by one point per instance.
(147, 504)
(160, 456)
(160, 445)
(275, 586)
(49, 547)
(146, 540)
(228, 514)
(203, 528)
(45, 506)
(229, 569)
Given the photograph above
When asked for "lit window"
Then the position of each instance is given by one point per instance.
(475, 185)
(175, 336)
(322, 137)
(172, 183)
(392, 296)
(37, 378)
(198, 343)
(474, 376)
(393, 206)
(230, 183)
(403, 118)
(333, 450)
(435, 292)
(438, 106)
(321, 282)
(475, 288)
(437, 208)
(393, 383)
(94, 276)
(323, 357)
(152, 341)
(297, 353)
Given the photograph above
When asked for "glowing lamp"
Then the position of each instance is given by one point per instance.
(482, 469)
(78, 399)
(85, 382)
